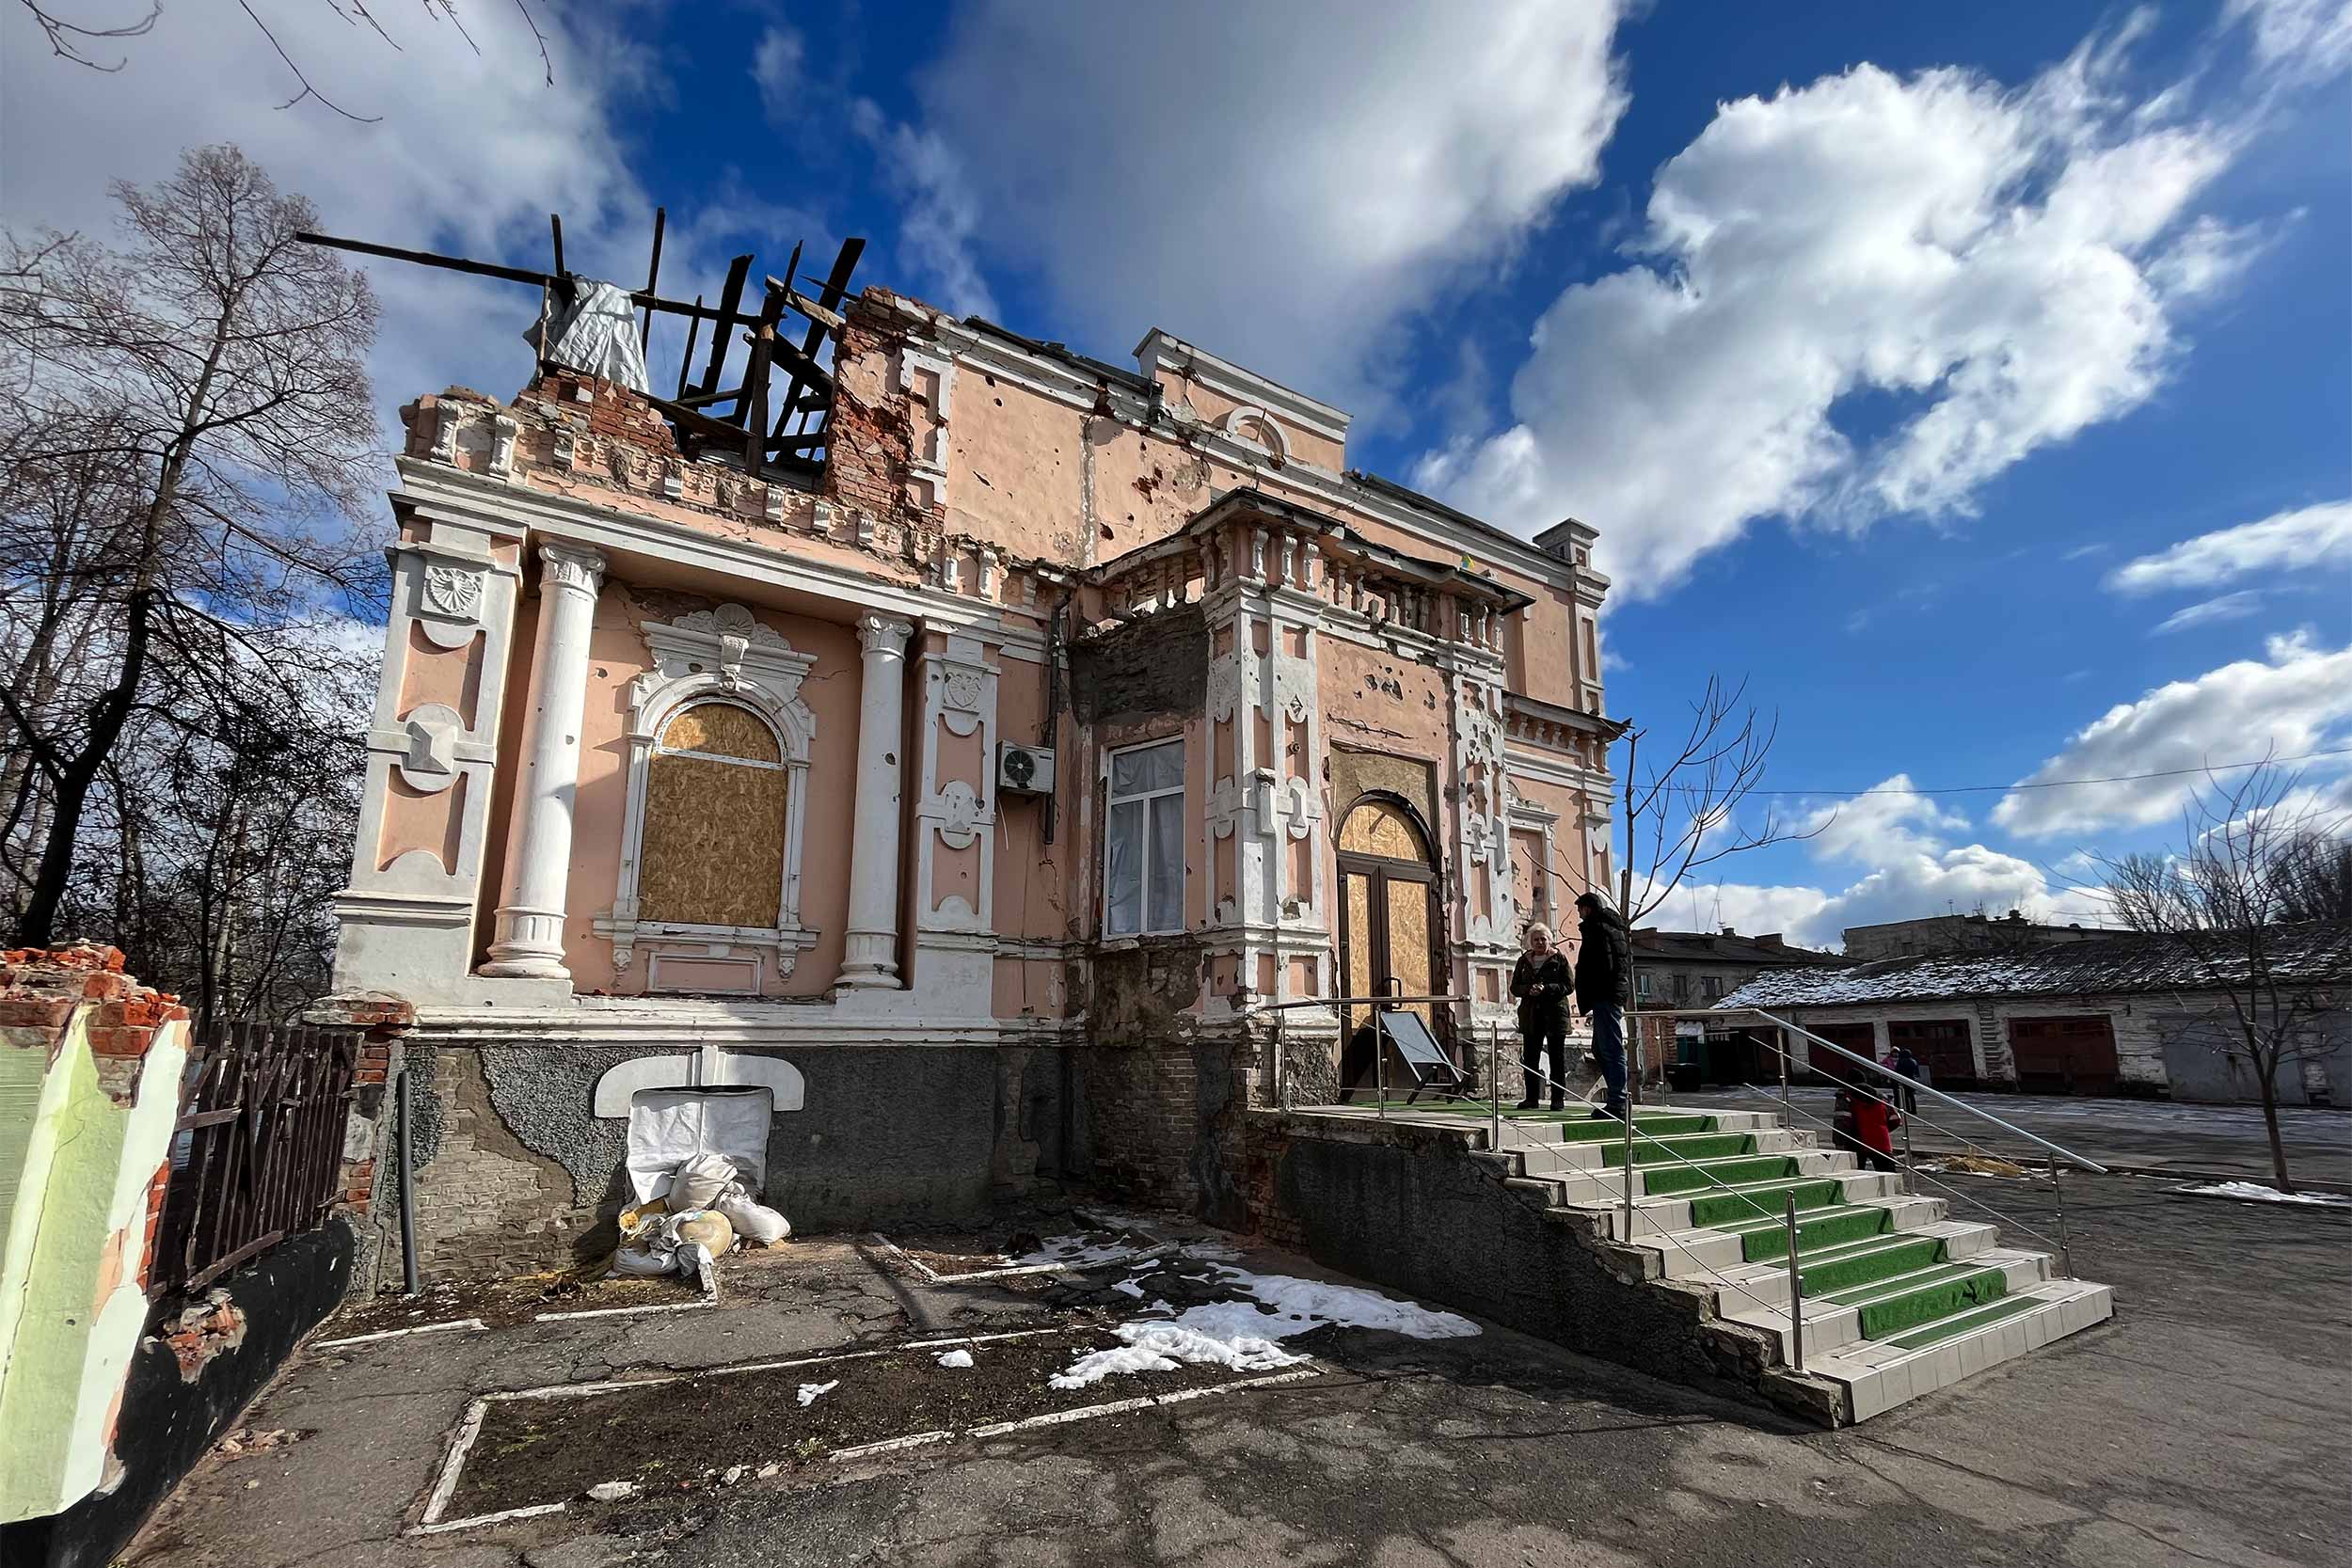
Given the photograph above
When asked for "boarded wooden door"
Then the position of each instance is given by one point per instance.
(1856, 1037)
(1942, 1044)
(2064, 1056)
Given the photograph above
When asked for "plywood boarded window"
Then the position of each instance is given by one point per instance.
(716, 794)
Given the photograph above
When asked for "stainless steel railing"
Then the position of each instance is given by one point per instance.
(1901, 1083)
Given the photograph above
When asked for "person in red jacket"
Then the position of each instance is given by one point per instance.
(1865, 1127)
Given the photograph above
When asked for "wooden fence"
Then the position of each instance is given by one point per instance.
(259, 1146)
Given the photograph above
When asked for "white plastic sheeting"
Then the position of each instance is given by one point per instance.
(596, 333)
(669, 1127)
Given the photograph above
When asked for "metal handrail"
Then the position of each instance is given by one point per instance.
(1883, 1071)
(1627, 1170)
(2065, 1261)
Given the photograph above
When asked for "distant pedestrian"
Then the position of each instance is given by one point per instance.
(1864, 1126)
(1541, 980)
(1604, 966)
(1914, 1069)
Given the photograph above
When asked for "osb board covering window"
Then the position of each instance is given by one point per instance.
(720, 729)
(1376, 828)
(713, 848)
(1353, 773)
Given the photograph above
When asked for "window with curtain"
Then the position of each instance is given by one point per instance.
(1143, 850)
(712, 853)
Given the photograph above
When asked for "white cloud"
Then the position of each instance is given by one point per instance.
(776, 66)
(2281, 543)
(2206, 613)
(2002, 266)
(939, 211)
(2303, 39)
(1898, 844)
(2294, 700)
(1278, 184)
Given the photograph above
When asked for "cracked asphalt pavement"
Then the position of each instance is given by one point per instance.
(2206, 1424)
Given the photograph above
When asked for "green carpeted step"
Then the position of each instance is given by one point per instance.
(1719, 1207)
(1880, 1258)
(1762, 1240)
(1590, 1129)
(1888, 1306)
(1684, 1146)
(1713, 1175)
(1964, 1322)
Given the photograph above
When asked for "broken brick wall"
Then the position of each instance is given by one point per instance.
(90, 1071)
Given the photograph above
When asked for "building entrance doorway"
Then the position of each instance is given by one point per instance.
(1391, 926)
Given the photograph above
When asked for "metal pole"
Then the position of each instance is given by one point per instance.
(1907, 1146)
(1788, 1113)
(1796, 1288)
(2066, 1260)
(1628, 1171)
(1494, 1079)
(1379, 1063)
(407, 1200)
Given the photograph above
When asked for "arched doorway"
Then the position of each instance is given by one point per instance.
(1391, 925)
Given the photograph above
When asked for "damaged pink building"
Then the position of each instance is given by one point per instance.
(963, 798)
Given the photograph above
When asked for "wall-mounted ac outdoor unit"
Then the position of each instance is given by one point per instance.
(1024, 770)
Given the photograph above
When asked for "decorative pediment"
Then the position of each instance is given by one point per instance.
(729, 650)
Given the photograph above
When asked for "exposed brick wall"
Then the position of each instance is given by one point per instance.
(869, 452)
(39, 988)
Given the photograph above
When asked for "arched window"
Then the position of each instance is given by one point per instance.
(718, 748)
(1378, 827)
(717, 798)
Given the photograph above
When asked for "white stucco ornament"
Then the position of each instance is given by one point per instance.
(959, 815)
(452, 590)
(430, 765)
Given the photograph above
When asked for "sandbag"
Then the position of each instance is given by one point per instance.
(753, 1220)
(645, 1260)
(698, 1180)
(706, 1228)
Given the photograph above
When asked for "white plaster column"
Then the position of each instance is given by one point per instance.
(530, 939)
(870, 951)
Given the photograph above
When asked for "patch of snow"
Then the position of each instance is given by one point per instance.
(955, 1358)
(613, 1491)
(2256, 1192)
(1166, 1347)
(1242, 1334)
(1301, 1304)
(1211, 1252)
(1130, 1287)
(810, 1390)
(1078, 1251)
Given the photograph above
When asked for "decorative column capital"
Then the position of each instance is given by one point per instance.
(883, 634)
(565, 565)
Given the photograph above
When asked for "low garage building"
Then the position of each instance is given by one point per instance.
(2131, 1016)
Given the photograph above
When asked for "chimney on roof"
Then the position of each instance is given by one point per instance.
(1773, 940)
(1729, 932)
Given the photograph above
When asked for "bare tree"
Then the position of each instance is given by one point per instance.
(2225, 905)
(1686, 814)
(82, 41)
(190, 437)
(2316, 879)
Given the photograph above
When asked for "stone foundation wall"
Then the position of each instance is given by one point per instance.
(516, 1173)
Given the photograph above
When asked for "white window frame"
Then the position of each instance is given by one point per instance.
(1143, 858)
(724, 655)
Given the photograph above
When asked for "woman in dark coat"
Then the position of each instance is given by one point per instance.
(1541, 980)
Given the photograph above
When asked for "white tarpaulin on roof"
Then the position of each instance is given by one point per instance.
(596, 333)
(669, 1127)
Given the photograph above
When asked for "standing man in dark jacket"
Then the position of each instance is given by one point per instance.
(1541, 981)
(1604, 966)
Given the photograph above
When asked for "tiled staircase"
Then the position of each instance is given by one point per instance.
(1899, 1299)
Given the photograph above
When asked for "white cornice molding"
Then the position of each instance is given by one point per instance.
(1225, 378)
(438, 493)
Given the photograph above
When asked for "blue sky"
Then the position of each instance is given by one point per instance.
(1879, 342)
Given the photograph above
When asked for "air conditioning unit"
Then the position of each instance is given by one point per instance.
(1024, 770)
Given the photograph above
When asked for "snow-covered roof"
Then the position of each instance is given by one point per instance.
(2317, 951)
